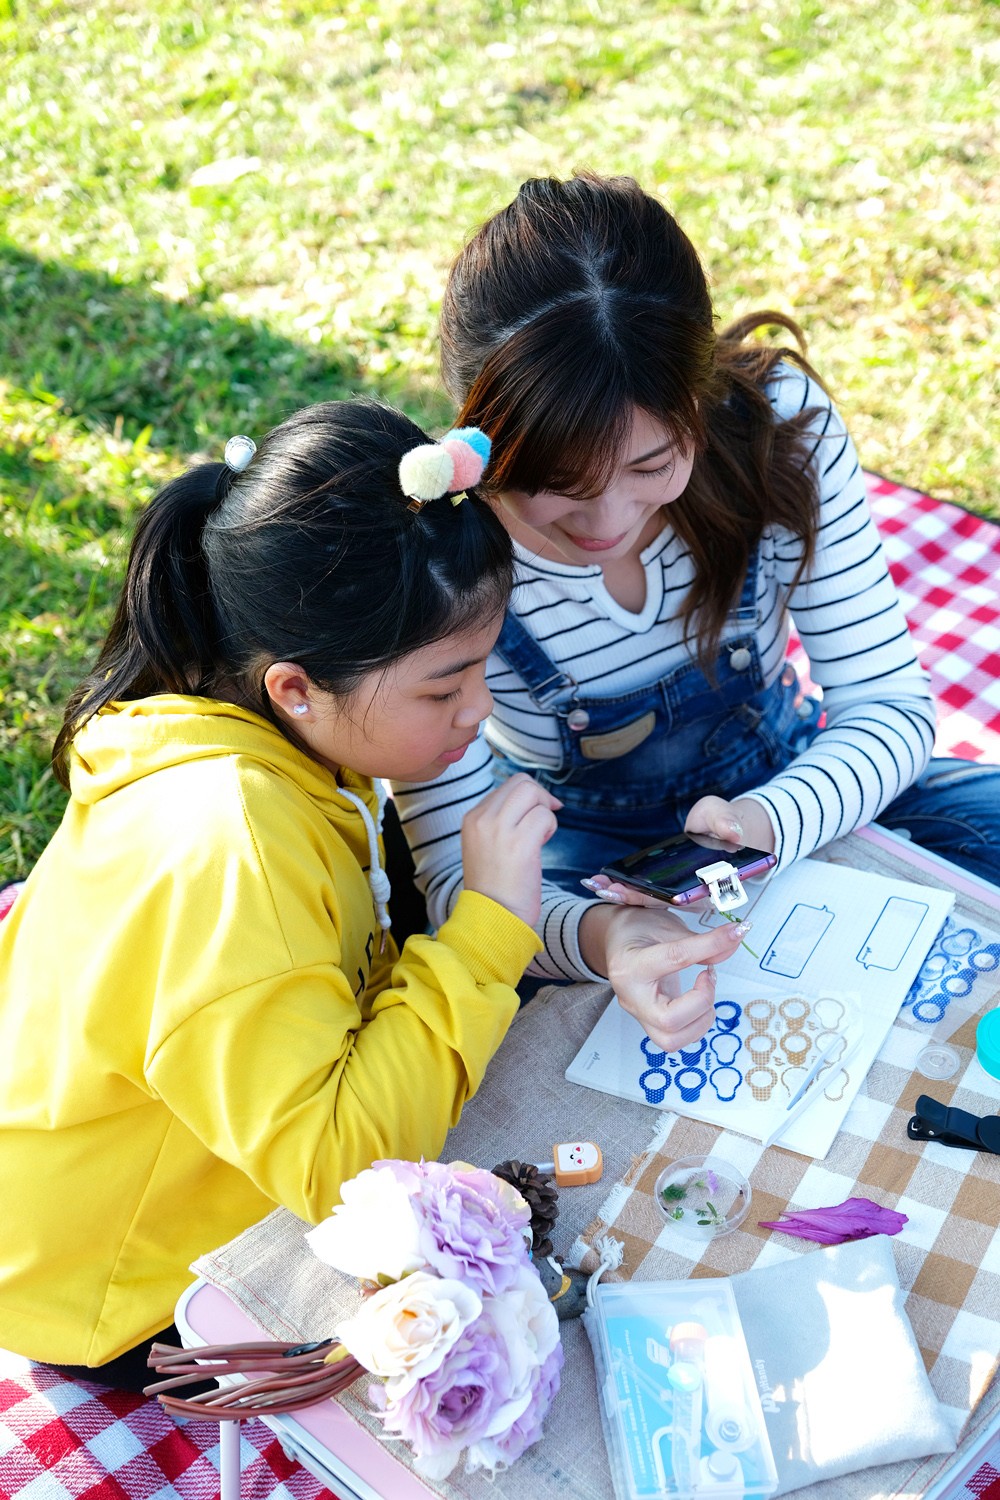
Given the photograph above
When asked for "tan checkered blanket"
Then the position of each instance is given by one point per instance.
(525, 1105)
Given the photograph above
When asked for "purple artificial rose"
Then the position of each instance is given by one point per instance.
(854, 1219)
(501, 1451)
(455, 1405)
(471, 1223)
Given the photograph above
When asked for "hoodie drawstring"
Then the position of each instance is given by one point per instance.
(378, 880)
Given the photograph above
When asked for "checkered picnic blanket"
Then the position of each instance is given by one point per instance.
(984, 1483)
(947, 1255)
(65, 1441)
(946, 566)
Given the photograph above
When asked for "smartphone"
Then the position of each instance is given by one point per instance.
(667, 869)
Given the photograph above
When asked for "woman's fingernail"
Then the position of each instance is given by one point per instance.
(735, 827)
(742, 928)
(610, 896)
(710, 971)
(591, 885)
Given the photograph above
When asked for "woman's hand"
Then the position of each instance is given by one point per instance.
(740, 822)
(735, 823)
(644, 950)
(502, 840)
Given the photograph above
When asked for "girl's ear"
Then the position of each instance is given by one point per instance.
(289, 689)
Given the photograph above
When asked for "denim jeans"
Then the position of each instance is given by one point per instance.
(953, 809)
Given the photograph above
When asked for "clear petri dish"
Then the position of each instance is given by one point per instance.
(702, 1197)
(937, 1060)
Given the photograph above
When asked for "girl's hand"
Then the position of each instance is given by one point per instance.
(645, 949)
(502, 840)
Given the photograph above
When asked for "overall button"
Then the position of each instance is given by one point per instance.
(578, 719)
(739, 659)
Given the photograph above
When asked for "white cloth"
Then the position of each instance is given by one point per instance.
(842, 1382)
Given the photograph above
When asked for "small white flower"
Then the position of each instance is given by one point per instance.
(405, 1330)
(374, 1232)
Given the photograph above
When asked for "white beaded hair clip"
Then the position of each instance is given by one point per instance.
(239, 451)
(456, 463)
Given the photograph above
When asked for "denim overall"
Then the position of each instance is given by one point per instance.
(634, 764)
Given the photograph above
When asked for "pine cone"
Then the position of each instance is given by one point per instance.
(540, 1196)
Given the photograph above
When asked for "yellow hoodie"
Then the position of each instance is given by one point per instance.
(196, 1024)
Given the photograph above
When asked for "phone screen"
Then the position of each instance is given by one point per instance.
(669, 867)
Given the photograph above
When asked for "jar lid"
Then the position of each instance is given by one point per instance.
(988, 1042)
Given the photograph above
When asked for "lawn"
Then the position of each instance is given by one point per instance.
(211, 214)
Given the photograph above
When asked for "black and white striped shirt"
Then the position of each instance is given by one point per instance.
(879, 715)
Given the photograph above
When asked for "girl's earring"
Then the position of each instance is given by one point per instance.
(300, 708)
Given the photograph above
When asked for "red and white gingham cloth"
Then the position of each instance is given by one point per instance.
(65, 1441)
(8, 896)
(984, 1484)
(946, 566)
(62, 1441)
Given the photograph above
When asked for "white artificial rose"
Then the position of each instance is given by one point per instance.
(527, 1306)
(405, 1330)
(526, 1321)
(373, 1232)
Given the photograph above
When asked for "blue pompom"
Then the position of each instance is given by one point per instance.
(476, 439)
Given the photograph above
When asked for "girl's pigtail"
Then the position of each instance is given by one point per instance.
(163, 638)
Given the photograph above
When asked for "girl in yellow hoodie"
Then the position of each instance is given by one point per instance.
(202, 1014)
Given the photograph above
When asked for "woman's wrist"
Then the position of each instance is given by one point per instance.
(592, 937)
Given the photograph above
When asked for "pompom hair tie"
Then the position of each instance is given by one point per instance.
(435, 469)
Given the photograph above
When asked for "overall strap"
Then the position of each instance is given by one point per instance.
(745, 612)
(546, 682)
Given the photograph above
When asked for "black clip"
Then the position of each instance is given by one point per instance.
(306, 1348)
(935, 1121)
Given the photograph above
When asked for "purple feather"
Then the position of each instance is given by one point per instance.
(855, 1219)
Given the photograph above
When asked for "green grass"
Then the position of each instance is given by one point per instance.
(212, 214)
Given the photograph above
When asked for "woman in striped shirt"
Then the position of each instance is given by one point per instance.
(676, 498)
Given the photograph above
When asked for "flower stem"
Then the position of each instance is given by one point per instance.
(731, 917)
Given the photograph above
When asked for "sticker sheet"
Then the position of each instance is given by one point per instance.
(799, 1020)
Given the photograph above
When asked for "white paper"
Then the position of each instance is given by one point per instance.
(837, 951)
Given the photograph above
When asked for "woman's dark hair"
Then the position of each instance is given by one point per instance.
(309, 555)
(583, 300)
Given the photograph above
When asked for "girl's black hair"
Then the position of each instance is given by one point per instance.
(309, 555)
